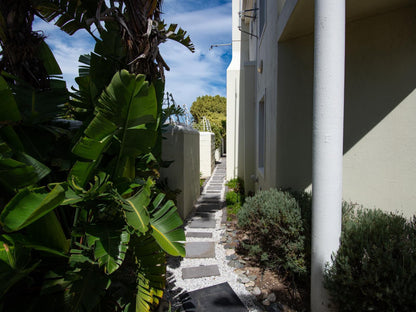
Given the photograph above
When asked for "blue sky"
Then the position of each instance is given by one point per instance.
(191, 74)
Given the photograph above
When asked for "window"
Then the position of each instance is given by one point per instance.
(261, 134)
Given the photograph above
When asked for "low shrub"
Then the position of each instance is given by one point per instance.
(272, 221)
(375, 266)
(232, 198)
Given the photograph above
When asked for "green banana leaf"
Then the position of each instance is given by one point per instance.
(30, 205)
(126, 116)
(165, 223)
(135, 209)
(151, 278)
(46, 234)
(110, 244)
(87, 288)
(8, 109)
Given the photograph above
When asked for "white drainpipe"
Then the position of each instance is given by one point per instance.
(328, 116)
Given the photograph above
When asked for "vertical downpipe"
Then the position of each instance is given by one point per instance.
(327, 147)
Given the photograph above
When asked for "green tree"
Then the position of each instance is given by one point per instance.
(214, 108)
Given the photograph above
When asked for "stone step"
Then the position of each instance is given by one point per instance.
(200, 271)
(217, 298)
(202, 223)
(200, 249)
(199, 234)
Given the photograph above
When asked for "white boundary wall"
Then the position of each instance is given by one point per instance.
(182, 146)
(206, 154)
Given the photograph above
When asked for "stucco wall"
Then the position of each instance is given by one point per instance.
(182, 146)
(380, 112)
(206, 153)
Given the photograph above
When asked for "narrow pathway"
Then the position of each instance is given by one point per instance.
(203, 281)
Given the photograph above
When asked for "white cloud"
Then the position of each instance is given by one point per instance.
(202, 72)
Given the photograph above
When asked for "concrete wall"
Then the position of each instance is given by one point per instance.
(182, 146)
(206, 153)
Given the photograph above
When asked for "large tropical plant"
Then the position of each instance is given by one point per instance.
(93, 237)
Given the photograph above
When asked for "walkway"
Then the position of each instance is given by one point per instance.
(203, 281)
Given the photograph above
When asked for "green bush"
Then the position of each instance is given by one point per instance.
(272, 221)
(232, 198)
(375, 266)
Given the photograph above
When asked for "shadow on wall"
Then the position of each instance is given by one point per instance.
(380, 74)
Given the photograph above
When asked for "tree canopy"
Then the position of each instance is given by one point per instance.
(214, 108)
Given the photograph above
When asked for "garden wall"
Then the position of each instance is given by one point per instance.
(207, 153)
(181, 144)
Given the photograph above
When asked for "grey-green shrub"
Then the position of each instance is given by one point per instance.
(272, 221)
(375, 266)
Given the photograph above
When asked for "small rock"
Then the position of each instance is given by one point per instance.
(271, 297)
(242, 261)
(229, 252)
(232, 257)
(235, 264)
(243, 279)
(256, 291)
(252, 277)
(229, 230)
(265, 302)
(238, 271)
(250, 284)
(228, 246)
(245, 237)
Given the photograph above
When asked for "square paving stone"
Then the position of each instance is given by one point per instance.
(217, 298)
(200, 249)
(199, 234)
(214, 188)
(202, 223)
(207, 207)
(201, 271)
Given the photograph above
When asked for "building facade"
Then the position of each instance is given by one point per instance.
(270, 99)
(321, 96)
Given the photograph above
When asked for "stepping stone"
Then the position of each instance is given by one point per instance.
(209, 197)
(199, 234)
(207, 207)
(214, 188)
(201, 271)
(218, 298)
(204, 215)
(200, 249)
(202, 223)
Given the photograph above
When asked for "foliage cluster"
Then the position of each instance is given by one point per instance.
(375, 266)
(272, 220)
(235, 196)
(84, 226)
(214, 108)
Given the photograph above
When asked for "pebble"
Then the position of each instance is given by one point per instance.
(265, 302)
(235, 264)
(271, 297)
(256, 291)
(252, 277)
(229, 252)
(232, 257)
(243, 279)
(250, 284)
